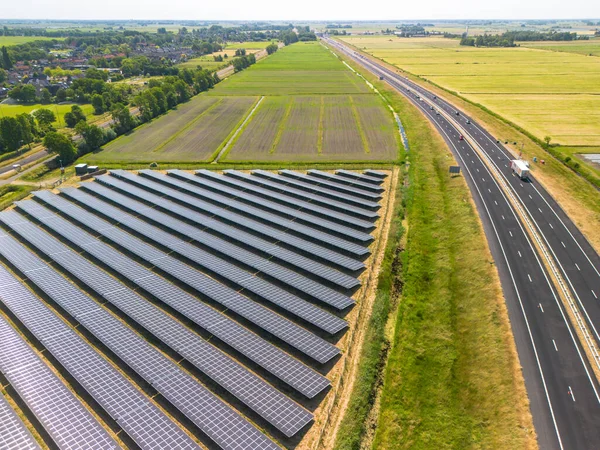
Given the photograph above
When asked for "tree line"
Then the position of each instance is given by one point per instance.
(509, 38)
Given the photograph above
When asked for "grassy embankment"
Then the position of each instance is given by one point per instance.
(13, 192)
(573, 186)
(452, 378)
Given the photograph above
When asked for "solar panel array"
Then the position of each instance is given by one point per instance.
(214, 293)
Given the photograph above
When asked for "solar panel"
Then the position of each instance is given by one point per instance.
(359, 177)
(151, 364)
(345, 181)
(255, 348)
(270, 239)
(13, 432)
(100, 379)
(216, 192)
(63, 416)
(337, 211)
(238, 219)
(375, 173)
(239, 181)
(330, 186)
(340, 200)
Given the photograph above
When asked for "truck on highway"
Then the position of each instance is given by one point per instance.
(520, 167)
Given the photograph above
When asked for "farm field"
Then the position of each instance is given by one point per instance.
(318, 128)
(192, 133)
(303, 68)
(16, 40)
(7, 110)
(548, 93)
(591, 47)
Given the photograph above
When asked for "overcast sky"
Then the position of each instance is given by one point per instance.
(299, 9)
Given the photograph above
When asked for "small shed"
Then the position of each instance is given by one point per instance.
(81, 169)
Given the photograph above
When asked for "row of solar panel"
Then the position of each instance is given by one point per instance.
(250, 214)
(261, 397)
(139, 417)
(288, 419)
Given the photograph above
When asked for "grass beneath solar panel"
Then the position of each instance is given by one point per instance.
(449, 331)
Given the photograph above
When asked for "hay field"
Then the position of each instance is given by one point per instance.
(192, 133)
(548, 93)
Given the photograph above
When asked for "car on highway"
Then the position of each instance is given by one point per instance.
(468, 121)
(461, 138)
(431, 107)
(457, 113)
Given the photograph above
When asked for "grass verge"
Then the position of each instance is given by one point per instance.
(13, 192)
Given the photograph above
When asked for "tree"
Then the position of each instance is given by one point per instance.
(98, 103)
(3, 75)
(91, 134)
(61, 95)
(271, 48)
(75, 116)
(547, 140)
(28, 130)
(10, 131)
(45, 118)
(123, 121)
(45, 96)
(61, 145)
(6, 61)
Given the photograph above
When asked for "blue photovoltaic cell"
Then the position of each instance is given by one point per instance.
(297, 337)
(238, 219)
(270, 240)
(375, 173)
(241, 181)
(215, 192)
(359, 177)
(13, 432)
(275, 407)
(295, 186)
(330, 186)
(345, 181)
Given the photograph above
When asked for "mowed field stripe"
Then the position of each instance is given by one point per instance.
(189, 124)
(359, 127)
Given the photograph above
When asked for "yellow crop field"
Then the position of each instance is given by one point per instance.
(545, 89)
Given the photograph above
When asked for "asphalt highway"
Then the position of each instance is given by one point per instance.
(563, 391)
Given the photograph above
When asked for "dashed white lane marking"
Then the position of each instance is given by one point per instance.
(550, 225)
(555, 347)
(530, 197)
(540, 306)
(577, 267)
(483, 179)
(519, 252)
(490, 191)
(496, 202)
(503, 218)
(540, 209)
(563, 244)
(594, 294)
(571, 393)
(521, 184)
(505, 165)
(510, 232)
(530, 280)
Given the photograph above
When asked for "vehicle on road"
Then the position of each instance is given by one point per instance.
(520, 167)
(457, 113)
(468, 122)
(461, 138)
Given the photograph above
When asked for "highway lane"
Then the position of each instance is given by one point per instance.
(563, 392)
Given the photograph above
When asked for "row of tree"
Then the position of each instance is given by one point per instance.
(509, 38)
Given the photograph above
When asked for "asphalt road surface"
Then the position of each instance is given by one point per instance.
(29, 159)
(563, 392)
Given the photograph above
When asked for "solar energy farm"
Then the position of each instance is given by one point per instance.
(182, 309)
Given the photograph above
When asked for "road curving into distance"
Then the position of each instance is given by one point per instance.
(563, 390)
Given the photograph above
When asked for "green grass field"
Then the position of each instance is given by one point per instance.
(548, 93)
(303, 68)
(58, 110)
(16, 40)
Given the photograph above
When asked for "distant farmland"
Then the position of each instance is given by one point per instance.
(549, 89)
(313, 109)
